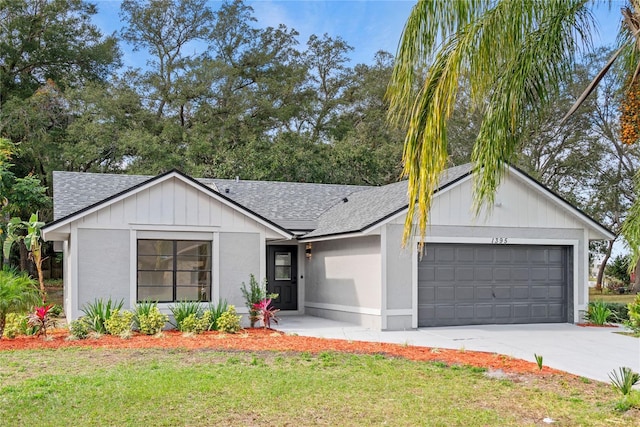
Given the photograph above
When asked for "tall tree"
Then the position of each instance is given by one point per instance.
(515, 54)
(51, 39)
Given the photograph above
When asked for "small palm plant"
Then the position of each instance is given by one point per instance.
(18, 293)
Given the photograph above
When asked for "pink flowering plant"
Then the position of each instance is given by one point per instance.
(41, 319)
(266, 312)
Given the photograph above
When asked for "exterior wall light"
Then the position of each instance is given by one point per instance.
(307, 250)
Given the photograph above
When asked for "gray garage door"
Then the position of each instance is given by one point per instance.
(461, 284)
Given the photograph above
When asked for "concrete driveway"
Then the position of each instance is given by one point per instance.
(587, 352)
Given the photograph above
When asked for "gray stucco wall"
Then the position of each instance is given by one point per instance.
(103, 265)
(239, 257)
(345, 272)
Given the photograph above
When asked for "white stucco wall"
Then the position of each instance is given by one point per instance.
(343, 280)
(240, 256)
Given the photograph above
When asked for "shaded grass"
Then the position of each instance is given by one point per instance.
(75, 387)
(595, 295)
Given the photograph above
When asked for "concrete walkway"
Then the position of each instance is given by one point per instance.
(588, 352)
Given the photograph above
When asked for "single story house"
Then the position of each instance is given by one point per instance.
(328, 250)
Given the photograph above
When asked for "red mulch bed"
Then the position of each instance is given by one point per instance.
(271, 340)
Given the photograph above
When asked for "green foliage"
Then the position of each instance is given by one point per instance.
(212, 314)
(191, 324)
(183, 310)
(539, 360)
(620, 311)
(634, 315)
(30, 233)
(254, 295)
(98, 312)
(619, 268)
(16, 324)
(598, 313)
(79, 328)
(148, 318)
(624, 379)
(229, 321)
(17, 294)
(119, 323)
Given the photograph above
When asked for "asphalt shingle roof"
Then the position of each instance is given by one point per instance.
(368, 207)
(320, 209)
(294, 206)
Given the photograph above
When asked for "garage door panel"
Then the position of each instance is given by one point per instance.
(464, 274)
(465, 312)
(502, 292)
(501, 274)
(484, 311)
(484, 292)
(539, 274)
(520, 292)
(539, 292)
(556, 291)
(445, 293)
(502, 311)
(483, 274)
(445, 274)
(484, 255)
(520, 274)
(476, 284)
(464, 293)
(445, 311)
(445, 254)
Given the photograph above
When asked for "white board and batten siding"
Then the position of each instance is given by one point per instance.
(171, 209)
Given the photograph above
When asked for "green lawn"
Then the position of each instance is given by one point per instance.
(81, 387)
(604, 296)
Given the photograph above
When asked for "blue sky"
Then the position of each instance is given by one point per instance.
(367, 25)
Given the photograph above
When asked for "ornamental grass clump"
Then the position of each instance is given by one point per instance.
(120, 323)
(599, 313)
(98, 312)
(186, 315)
(624, 380)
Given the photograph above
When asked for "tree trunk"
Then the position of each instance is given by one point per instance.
(635, 286)
(607, 255)
(3, 321)
(24, 256)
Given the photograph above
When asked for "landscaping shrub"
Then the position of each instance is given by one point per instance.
(254, 295)
(120, 323)
(620, 311)
(598, 313)
(148, 318)
(184, 310)
(634, 315)
(17, 294)
(229, 321)
(212, 314)
(191, 324)
(98, 312)
(16, 324)
(79, 328)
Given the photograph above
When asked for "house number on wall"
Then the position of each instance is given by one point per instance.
(499, 240)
